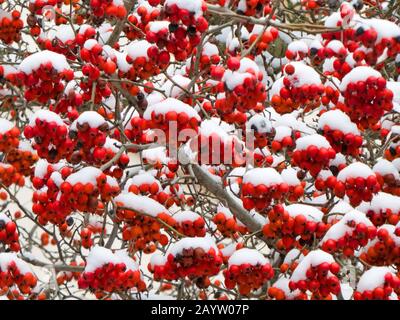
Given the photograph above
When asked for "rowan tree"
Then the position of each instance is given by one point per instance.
(200, 149)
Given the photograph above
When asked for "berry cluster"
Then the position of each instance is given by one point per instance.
(300, 86)
(347, 235)
(50, 134)
(313, 153)
(8, 233)
(227, 224)
(366, 98)
(385, 284)
(110, 272)
(358, 182)
(10, 27)
(317, 273)
(42, 74)
(260, 187)
(190, 224)
(189, 257)
(294, 223)
(248, 276)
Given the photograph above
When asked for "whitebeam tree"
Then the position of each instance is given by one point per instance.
(191, 149)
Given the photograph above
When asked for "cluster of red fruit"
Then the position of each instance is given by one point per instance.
(261, 40)
(109, 8)
(9, 234)
(134, 132)
(260, 196)
(250, 7)
(228, 225)
(9, 175)
(185, 27)
(9, 139)
(89, 132)
(50, 135)
(246, 94)
(22, 160)
(352, 234)
(311, 157)
(192, 226)
(12, 276)
(292, 95)
(365, 101)
(321, 280)
(385, 249)
(111, 278)
(146, 60)
(43, 83)
(345, 143)
(247, 276)
(390, 285)
(137, 24)
(299, 227)
(180, 114)
(10, 27)
(191, 262)
(358, 189)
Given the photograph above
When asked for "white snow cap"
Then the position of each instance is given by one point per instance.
(33, 62)
(245, 255)
(317, 140)
(170, 104)
(138, 49)
(303, 75)
(385, 167)
(45, 115)
(358, 74)
(341, 228)
(141, 204)
(310, 212)
(205, 243)
(5, 125)
(266, 176)
(186, 215)
(93, 118)
(354, 170)
(338, 120)
(312, 259)
(373, 278)
(99, 256)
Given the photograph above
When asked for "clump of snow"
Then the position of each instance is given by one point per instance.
(358, 74)
(5, 125)
(266, 176)
(92, 118)
(373, 278)
(342, 228)
(9, 258)
(245, 255)
(385, 167)
(205, 243)
(170, 104)
(45, 115)
(338, 120)
(100, 256)
(303, 75)
(309, 212)
(35, 60)
(138, 49)
(317, 140)
(354, 170)
(312, 259)
(141, 204)
(289, 175)
(186, 216)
